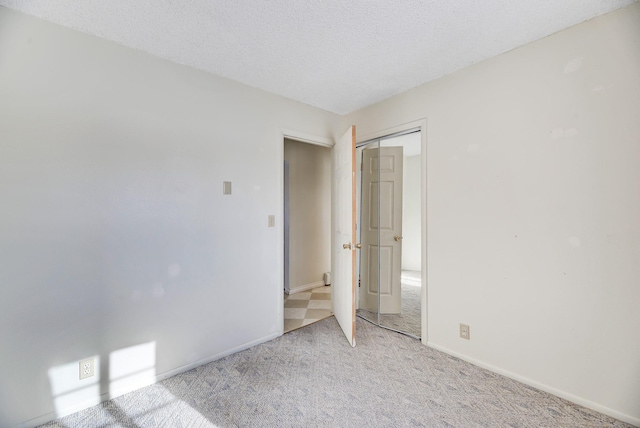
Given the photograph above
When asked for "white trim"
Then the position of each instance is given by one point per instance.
(424, 336)
(40, 420)
(308, 138)
(286, 230)
(421, 123)
(305, 287)
(541, 386)
(279, 284)
(389, 136)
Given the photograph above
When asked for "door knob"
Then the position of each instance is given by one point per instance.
(397, 238)
(358, 246)
(347, 246)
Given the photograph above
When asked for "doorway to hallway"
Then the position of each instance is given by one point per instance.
(350, 242)
(307, 233)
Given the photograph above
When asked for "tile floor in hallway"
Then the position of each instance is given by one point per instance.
(305, 308)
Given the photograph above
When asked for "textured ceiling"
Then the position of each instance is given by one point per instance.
(332, 54)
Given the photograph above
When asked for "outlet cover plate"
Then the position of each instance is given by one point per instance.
(87, 368)
(465, 331)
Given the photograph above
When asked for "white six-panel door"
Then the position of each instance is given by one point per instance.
(381, 230)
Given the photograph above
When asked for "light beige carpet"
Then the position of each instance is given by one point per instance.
(311, 377)
(408, 321)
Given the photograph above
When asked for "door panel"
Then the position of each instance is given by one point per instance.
(369, 231)
(386, 270)
(382, 234)
(343, 260)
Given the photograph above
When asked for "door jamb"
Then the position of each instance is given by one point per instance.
(422, 124)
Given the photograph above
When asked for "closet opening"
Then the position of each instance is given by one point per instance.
(389, 231)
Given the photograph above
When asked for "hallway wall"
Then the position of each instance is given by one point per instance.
(310, 214)
(411, 214)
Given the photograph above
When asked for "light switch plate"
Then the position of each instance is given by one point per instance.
(226, 187)
(272, 220)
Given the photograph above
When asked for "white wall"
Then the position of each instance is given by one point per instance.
(533, 208)
(114, 233)
(411, 214)
(309, 213)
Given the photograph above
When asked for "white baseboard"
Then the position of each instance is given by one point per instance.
(305, 287)
(551, 390)
(40, 420)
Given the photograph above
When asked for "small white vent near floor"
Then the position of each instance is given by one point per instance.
(327, 278)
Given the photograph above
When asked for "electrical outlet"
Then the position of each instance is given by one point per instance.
(465, 332)
(87, 368)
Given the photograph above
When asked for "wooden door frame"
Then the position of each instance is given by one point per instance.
(422, 125)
